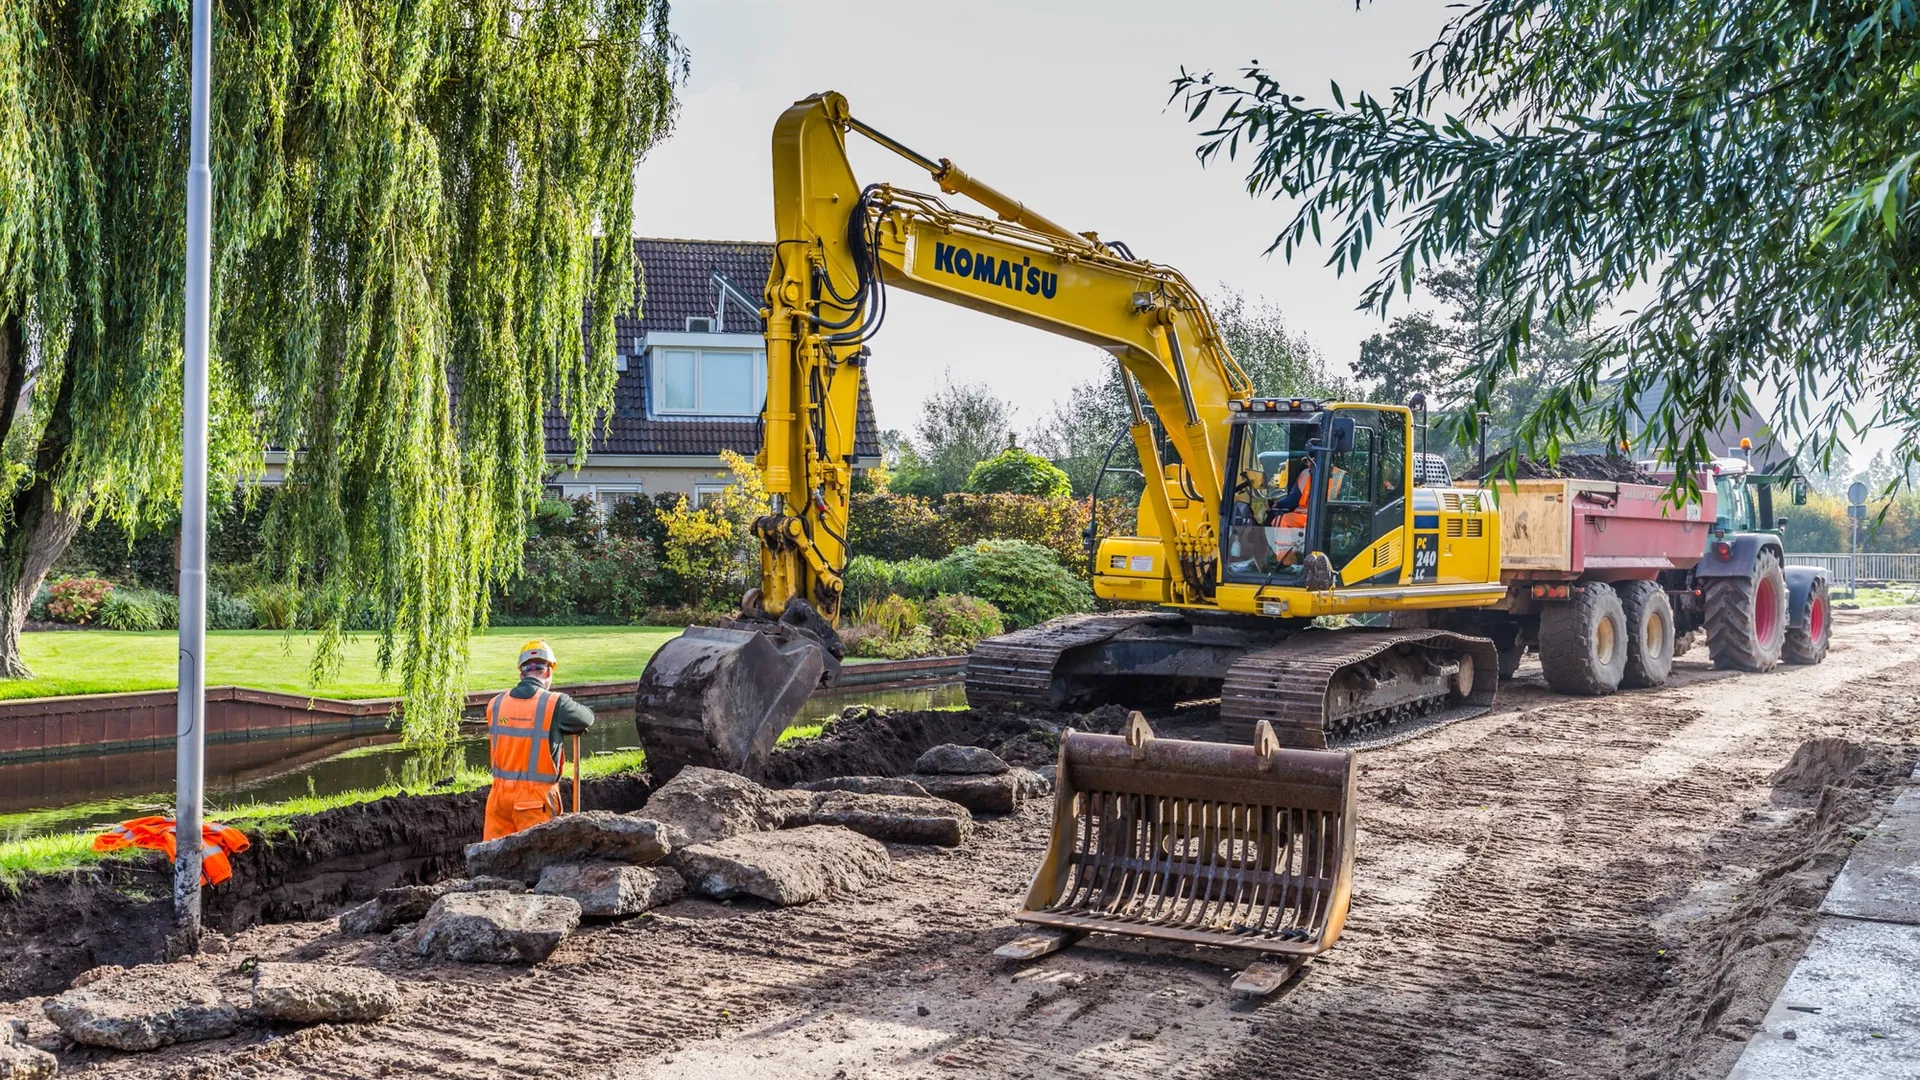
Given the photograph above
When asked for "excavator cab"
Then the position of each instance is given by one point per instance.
(1278, 511)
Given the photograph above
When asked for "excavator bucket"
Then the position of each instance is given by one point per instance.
(719, 697)
(1248, 847)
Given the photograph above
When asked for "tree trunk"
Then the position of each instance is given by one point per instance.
(36, 530)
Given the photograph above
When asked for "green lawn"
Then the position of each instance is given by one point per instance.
(1885, 597)
(108, 661)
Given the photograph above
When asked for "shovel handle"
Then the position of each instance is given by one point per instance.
(576, 774)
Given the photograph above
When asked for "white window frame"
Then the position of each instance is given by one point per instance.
(600, 493)
(752, 344)
(702, 491)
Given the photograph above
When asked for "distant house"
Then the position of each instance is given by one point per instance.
(693, 378)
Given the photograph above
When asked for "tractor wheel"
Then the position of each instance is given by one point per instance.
(1649, 634)
(1583, 642)
(1747, 617)
(1808, 645)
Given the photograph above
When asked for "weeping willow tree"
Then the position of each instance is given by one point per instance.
(407, 200)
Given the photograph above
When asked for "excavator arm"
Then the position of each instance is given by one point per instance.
(843, 244)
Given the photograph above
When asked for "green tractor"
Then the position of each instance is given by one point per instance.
(1752, 608)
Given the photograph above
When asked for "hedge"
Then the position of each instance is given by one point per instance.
(898, 527)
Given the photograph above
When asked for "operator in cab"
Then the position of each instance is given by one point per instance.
(524, 726)
(1289, 511)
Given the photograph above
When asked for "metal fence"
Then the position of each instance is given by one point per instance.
(1866, 566)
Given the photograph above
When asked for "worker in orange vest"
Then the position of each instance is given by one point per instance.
(524, 726)
(1290, 510)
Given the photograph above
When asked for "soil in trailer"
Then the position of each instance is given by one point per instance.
(1564, 887)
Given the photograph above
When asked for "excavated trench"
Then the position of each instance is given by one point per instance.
(120, 912)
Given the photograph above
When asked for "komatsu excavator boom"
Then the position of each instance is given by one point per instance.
(1240, 552)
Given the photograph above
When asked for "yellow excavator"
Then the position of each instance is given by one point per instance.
(1241, 551)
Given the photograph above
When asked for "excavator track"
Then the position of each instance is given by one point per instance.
(1319, 689)
(1352, 689)
(1020, 667)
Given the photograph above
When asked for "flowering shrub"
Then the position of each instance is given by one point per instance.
(712, 547)
(78, 600)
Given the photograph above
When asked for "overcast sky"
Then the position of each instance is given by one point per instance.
(1060, 103)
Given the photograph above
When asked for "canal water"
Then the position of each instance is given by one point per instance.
(65, 794)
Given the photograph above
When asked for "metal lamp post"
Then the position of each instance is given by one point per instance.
(190, 746)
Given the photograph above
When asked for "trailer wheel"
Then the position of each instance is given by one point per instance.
(1583, 642)
(1808, 644)
(1649, 634)
(1747, 616)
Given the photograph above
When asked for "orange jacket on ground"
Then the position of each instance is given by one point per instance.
(155, 833)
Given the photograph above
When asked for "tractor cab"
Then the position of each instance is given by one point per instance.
(1307, 477)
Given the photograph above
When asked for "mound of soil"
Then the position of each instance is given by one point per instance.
(1820, 763)
(1618, 470)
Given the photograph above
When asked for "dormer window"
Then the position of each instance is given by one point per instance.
(709, 381)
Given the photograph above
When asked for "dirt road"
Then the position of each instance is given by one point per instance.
(1564, 887)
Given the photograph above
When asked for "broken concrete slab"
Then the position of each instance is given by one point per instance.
(952, 759)
(707, 805)
(496, 927)
(868, 785)
(1881, 879)
(795, 866)
(596, 835)
(896, 819)
(143, 1008)
(19, 1061)
(392, 907)
(610, 890)
(322, 993)
(986, 794)
(1846, 1012)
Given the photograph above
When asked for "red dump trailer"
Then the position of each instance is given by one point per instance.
(1582, 561)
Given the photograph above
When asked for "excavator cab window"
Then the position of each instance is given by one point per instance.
(1266, 535)
(1266, 511)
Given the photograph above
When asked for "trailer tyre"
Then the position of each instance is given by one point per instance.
(1649, 634)
(1583, 642)
(1747, 616)
(1808, 644)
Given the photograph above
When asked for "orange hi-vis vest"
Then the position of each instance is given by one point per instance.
(1297, 519)
(217, 841)
(526, 774)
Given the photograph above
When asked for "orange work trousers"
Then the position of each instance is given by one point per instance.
(514, 805)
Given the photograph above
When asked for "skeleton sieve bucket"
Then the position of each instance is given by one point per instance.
(1207, 843)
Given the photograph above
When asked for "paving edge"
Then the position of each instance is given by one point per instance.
(1851, 1008)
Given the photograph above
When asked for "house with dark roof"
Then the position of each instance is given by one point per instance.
(693, 378)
